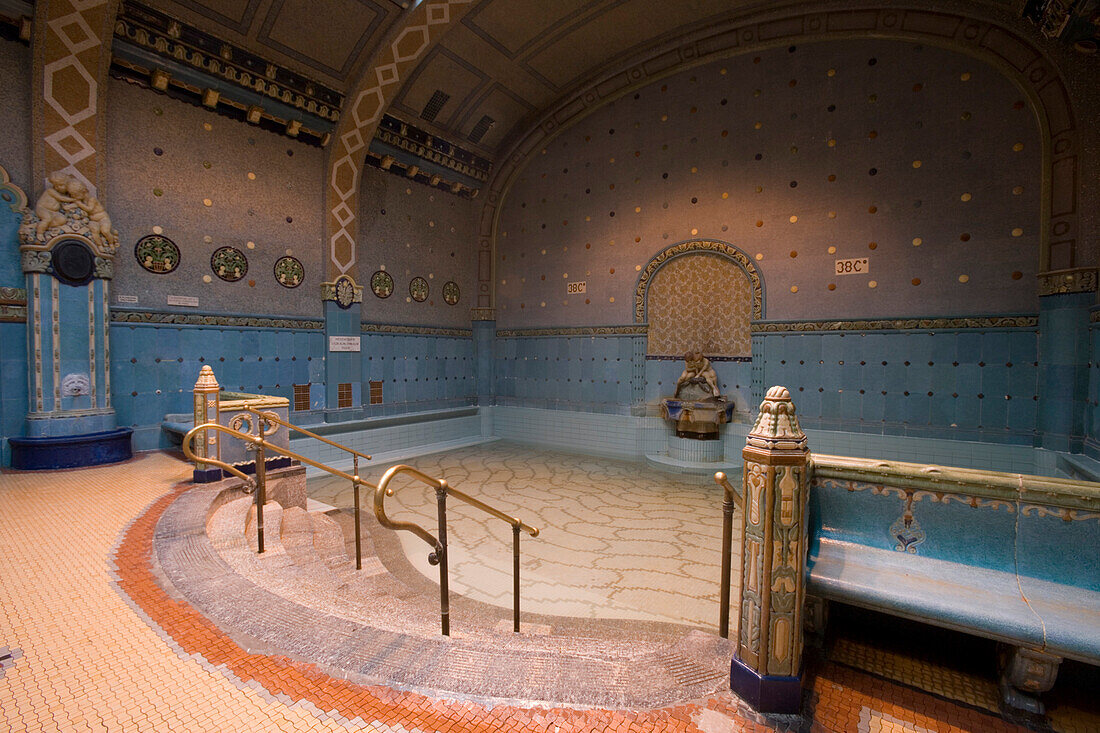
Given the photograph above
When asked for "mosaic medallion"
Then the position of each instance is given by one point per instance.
(289, 272)
(345, 292)
(418, 289)
(229, 263)
(381, 284)
(451, 292)
(157, 254)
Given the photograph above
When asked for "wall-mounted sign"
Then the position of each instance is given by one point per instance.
(576, 288)
(854, 266)
(184, 300)
(127, 299)
(343, 343)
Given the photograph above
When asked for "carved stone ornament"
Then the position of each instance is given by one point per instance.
(1060, 282)
(36, 260)
(344, 292)
(67, 208)
(777, 425)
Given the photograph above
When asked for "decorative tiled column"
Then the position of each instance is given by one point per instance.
(483, 321)
(767, 669)
(208, 445)
(343, 304)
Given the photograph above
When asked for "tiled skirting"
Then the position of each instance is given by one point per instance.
(696, 451)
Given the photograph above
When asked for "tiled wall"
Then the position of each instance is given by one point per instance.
(1092, 409)
(418, 372)
(15, 112)
(13, 385)
(580, 373)
(924, 160)
(969, 384)
(154, 368)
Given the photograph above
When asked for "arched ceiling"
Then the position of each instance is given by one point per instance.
(505, 61)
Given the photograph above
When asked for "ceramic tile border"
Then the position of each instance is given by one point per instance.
(206, 319)
(633, 330)
(899, 324)
(390, 329)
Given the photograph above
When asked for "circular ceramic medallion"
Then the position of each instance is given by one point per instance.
(381, 284)
(418, 289)
(345, 293)
(229, 263)
(451, 292)
(157, 254)
(289, 272)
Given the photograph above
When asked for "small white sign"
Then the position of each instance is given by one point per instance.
(127, 299)
(854, 266)
(343, 343)
(576, 288)
(184, 300)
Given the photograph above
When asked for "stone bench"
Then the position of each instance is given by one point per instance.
(1008, 557)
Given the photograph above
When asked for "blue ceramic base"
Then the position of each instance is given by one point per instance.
(71, 451)
(766, 694)
(210, 475)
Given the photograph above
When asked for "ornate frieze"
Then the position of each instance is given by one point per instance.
(13, 313)
(639, 330)
(196, 319)
(415, 330)
(427, 147)
(1060, 282)
(13, 296)
(166, 37)
(898, 324)
(694, 246)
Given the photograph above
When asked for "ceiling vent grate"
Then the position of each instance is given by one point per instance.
(483, 126)
(431, 109)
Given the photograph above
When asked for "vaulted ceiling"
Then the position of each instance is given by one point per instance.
(503, 63)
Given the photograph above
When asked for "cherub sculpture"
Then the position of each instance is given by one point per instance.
(48, 207)
(103, 234)
(699, 370)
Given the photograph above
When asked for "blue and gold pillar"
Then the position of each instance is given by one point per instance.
(767, 669)
(343, 303)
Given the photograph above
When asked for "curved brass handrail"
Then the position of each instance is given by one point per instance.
(271, 417)
(249, 480)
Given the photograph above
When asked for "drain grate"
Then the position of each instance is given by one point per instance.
(687, 671)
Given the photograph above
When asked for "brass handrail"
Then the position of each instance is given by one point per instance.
(271, 417)
(730, 500)
(438, 555)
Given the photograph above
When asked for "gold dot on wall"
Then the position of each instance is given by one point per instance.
(964, 237)
(1017, 232)
(611, 299)
(565, 275)
(832, 250)
(917, 241)
(158, 192)
(759, 256)
(831, 177)
(694, 232)
(793, 218)
(831, 142)
(694, 169)
(832, 214)
(831, 286)
(637, 209)
(794, 253)
(157, 230)
(872, 134)
(664, 118)
(916, 164)
(965, 116)
(756, 92)
(830, 72)
(722, 71)
(964, 278)
(915, 281)
(1018, 147)
(208, 239)
(637, 268)
(251, 245)
(612, 270)
(758, 125)
(759, 223)
(207, 202)
(725, 133)
(1016, 191)
(206, 164)
(794, 149)
(251, 176)
(542, 304)
(965, 76)
(207, 126)
(872, 283)
(725, 195)
(872, 209)
(206, 278)
(760, 189)
(965, 197)
(1017, 275)
(872, 245)
(794, 288)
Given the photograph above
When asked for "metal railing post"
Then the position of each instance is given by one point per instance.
(727, 560)
(358, 539)
(441, 556)
(261, 495)
(515, 577)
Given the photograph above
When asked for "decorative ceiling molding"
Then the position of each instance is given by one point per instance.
(985, 39)
(264, 38)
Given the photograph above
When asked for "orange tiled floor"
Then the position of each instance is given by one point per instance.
(93, 659)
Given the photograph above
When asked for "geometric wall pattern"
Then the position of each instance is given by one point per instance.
(69, 53)
(700, 302)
